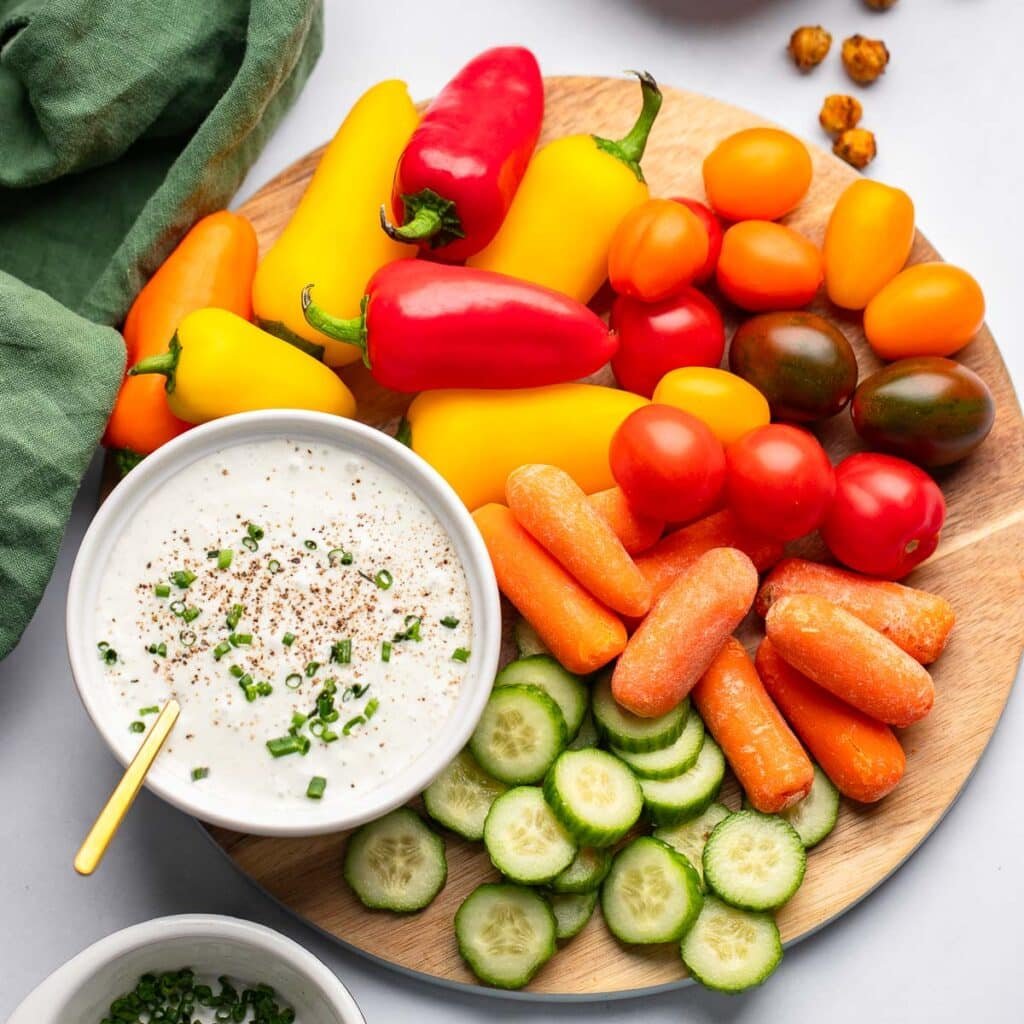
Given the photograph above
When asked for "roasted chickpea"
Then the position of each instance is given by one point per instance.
(856, 146)
(864, 59)
(839, 113)
(809, 46)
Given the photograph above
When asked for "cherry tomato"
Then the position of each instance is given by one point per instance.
(668, 464)
(766, 266)
(757, 174)
(713, 226)
(779, 481)
(685, 330)
(726, 403)
(885, 517)
(657, 249)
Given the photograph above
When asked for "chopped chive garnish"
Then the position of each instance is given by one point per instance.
(191, 613)
(384, 579)
(411, 631)
(160, 648)
(385, 651)
(224, 557)
(199, 773)
(293, 681)
(102, 646)
(309, 545)
(221, 649)
(290, 744)
(254, 531)
(107, 653)
(288, 639)
(178, 607)
(449, 621)
(354, 692)
(237, 671)
(298, 721)
(339, 556)
(183, 578)
(137, 727)
(347, 728)
(273, 566)
(234, 616)
(153, 709)
(213, 553)
(240, 639)
(341, 652)
(249, 544)
(162, 590)
(248, 687)
(316, 787)
(264, 689)
(187, 637)
(461, 654)
(311, 668)
(371, 708)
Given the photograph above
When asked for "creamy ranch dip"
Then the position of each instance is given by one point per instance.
(306, 609)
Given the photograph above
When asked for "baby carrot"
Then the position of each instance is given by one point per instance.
(765, 756)
(582, 634)
(862, 757)
(684, 631)
(681, 548)
(850, 659)
(636, 532)
(915, 620)
(554, 510)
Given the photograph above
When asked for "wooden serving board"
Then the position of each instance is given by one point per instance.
(979, 566)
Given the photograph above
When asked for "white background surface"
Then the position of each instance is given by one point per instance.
(941, 940)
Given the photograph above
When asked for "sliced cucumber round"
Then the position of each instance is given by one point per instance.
(815, 816)
(689, 837)
(524, 839)
(585, 873)
(527, 640)
(683, 797)
(731, 950)
(754, 861)
(506, 933)
(572, 911)
(519, 735)
(594, 795)
(395, 863)
(626, 731)
(565, 689)
(460, 797)
(652, 894)
(672, 760)
(587, 736)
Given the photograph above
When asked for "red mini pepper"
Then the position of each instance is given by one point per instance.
(460, 170)
(428, 325)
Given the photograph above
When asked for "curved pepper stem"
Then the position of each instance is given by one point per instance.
(350, 331)
(428, 217)
(630, 148)
(165, 363)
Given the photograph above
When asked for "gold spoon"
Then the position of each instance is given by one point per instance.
(109, 821)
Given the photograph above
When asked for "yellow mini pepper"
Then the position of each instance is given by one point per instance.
(559, 228)
(219, 364)
(334, 238)
(475, 438)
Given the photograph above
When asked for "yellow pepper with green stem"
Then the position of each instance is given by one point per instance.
(334, 239)
(219, 364)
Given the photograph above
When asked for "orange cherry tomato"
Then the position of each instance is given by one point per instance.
(657, 250)
(929, 309)
(757, 174)
(766, 266)
(715, 231)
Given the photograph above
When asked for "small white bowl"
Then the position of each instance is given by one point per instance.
(83, 989)
(254, 812)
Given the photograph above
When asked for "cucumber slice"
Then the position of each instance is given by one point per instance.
(815, 816)
(506, 933)
(572, 911)
(594, 795)
(754, 861)
(652, 894)
(670, 801)
(669, 761)
(689, 837)
(524, 839)
(630, 732)
(395, 863)
(460, 797)
(565, 689)
(731, 950)
(527, 640)
(519, 735)
(587, 736)
(585, 873)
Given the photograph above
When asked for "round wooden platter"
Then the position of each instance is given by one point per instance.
(979, 566)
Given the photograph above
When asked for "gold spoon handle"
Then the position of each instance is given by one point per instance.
(104, 829)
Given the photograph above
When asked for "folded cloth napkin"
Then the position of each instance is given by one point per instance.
(121, 123)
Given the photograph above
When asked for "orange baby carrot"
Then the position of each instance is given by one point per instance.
(681, 548)
(862, 757)
(554, 510)
(684, 631)
(636, 532)
(765, 756)
(850, 659)
(915, 620)
(582, 634)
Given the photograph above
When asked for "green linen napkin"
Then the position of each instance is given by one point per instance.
(121, 123)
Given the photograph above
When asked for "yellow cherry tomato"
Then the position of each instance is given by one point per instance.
(726, 403)
(929, 309)
(757, 174)
(867, 242)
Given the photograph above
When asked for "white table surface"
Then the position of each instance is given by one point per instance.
(938, 942)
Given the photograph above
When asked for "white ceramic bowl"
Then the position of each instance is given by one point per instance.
(255, 811)
(83, 989)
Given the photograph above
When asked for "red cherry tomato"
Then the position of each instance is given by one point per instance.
(779, 481)
(714, 230)
(886, 515)
(668, 463)
(685, 330)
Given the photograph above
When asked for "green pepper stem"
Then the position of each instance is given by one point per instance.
(428, 216)
(348, 330)
(425, 224)
(630, 148)
(165, 363)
